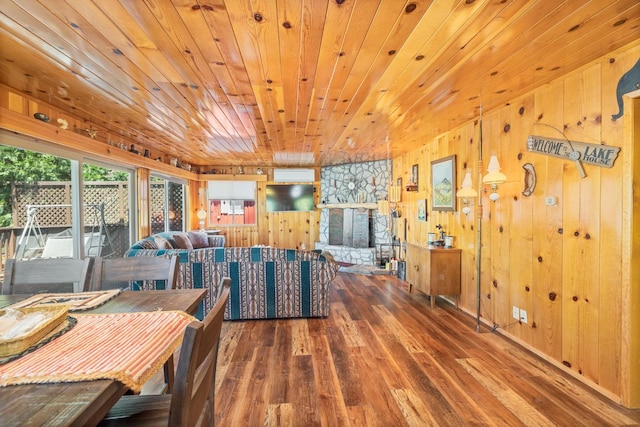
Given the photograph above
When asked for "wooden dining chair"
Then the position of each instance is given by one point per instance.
(44, 275)
(133, 272)
(192, 399)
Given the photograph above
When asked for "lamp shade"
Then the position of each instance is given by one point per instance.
(202, 214)
(467, 191)
(494, 176)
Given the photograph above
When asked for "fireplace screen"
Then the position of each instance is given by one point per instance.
(350, 227)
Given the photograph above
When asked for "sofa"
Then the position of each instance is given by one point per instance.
(266, 282)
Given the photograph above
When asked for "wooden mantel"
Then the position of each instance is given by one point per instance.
(347, 206)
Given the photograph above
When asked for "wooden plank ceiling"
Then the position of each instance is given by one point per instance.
(296, 82)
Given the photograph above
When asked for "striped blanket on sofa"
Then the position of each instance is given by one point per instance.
(266, 283)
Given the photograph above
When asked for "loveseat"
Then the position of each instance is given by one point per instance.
(266, 282)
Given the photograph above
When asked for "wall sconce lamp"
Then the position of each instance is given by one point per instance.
(202, 214)
(467, 192)
(494, 177)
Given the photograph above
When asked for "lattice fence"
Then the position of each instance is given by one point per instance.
(54, 211)
(54, 203)
(175, 205)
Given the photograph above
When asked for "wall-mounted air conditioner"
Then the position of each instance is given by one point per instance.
(294, 175)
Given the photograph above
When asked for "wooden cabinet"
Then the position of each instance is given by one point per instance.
(434, 271)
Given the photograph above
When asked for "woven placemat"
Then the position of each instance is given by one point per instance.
(65, 326)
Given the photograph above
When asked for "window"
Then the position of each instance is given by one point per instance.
(54, 204)
(231, 203)
(107, 209)
(167, 205)
(36, 193)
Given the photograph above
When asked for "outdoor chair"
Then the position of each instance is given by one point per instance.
(42, 275)
(192, 399)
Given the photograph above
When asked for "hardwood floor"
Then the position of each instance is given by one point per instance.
(384, 358)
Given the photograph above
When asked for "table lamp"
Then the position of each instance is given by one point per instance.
(202, 214)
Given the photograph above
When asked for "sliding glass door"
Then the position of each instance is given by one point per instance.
(55, 203)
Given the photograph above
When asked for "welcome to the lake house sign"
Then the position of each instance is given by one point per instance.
(592, 154)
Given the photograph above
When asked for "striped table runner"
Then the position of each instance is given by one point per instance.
(128, 347)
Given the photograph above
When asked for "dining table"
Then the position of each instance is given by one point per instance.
(85, 402)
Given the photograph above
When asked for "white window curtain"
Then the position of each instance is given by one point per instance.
(231, 190)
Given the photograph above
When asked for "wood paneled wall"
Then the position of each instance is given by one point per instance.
(279, 229)
(563, 264)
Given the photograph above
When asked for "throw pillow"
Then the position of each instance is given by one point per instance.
(182, 241)
(162, 243)
(148, 244)
(198, 239)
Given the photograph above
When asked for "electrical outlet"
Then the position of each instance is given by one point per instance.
(550, 201)
(523, 316)
(515, 312)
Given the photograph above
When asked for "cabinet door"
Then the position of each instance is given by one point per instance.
(417, 271)
(445, 272)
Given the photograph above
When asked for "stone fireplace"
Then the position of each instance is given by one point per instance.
(350, 226)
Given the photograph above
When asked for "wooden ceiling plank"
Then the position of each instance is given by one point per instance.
(291, 50)
(207, 52)
(223, 121)
(431, 37)
(482, 65)
(312, 26)
(339, 17)
(65, 91)
(359, 26)
(220, 119)
(289, 47)
(232, 80)
(519, 61)
(374, 59)
(265, 17)
(572, 56)
(175, 95)
(243, 27)
(58, 44)
(90, 29)
(445, 42)
(124, 66)
(558, 53)
(397, 75)
(130, 62)
(123, 31)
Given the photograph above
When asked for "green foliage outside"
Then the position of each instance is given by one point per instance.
(18, 166)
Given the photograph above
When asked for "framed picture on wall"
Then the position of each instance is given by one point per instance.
(422, 209)
(443, 184)
(414, 175)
